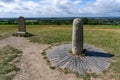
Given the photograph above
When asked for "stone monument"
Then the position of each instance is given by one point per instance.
(22, 28)
(77, 37)
(21, 25)
(95, 59)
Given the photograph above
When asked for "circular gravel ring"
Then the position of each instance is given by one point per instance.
(95, 61)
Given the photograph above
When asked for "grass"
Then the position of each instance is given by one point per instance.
(7, 30)
(51, 34)
(103, 36)
(8, 68)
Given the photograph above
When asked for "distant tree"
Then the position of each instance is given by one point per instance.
(85, 20)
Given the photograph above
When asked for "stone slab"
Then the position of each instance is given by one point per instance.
(95, 61)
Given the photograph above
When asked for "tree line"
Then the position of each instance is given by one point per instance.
(62, 21)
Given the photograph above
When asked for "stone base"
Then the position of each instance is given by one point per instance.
(95, 61)
(22, 34)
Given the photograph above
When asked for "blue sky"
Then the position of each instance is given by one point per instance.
(60, 8)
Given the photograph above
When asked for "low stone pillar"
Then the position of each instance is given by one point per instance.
(21, 25)
(77, 37)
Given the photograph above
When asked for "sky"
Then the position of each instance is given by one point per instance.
(59, 8)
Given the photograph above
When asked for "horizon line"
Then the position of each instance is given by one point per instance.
(70, 17)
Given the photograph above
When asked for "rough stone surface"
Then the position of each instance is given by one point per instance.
(21, 25)
(77, 37)
(95, 61)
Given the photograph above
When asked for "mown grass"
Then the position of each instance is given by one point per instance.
(8, 68)
(103, 36)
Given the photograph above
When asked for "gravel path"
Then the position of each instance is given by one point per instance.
(32, 65)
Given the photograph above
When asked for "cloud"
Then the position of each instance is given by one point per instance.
(59, 8)
(1, 6)
(102, 7)
(7, 1)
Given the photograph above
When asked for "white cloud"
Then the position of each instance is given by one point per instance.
(59, 8)
(7, 1)
(103, 8)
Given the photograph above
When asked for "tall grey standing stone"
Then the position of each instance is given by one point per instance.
(21, 25)
(77, 37)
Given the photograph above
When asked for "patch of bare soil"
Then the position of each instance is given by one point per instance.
(32, 65)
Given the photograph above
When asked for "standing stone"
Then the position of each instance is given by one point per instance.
(22, 28)
(21, 25)
(77, 37)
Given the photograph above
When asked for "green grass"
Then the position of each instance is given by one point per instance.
(53, 36)
(7, 30)
(103, 26)
(8, 68)
(50, 34)
(103, 36)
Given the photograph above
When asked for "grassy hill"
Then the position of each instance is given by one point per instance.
(103, 36)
